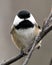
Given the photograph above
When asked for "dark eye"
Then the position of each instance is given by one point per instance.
(24, 25)
(24, 14)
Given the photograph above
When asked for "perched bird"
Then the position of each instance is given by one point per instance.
(24, 30)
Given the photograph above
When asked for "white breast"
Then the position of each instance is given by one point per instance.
(26, 36)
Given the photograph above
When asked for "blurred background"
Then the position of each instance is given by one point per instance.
(8, 9)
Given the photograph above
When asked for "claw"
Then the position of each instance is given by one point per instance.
(38, 45)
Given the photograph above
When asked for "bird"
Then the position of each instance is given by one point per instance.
(24, 30)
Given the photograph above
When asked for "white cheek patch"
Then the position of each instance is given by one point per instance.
(32, 19)
(17, 20)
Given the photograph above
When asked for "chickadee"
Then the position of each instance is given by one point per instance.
(24, 30)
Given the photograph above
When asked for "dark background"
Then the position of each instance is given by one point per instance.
(8, 9)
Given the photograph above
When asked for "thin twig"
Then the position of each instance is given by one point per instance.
(51, 61)
(12, 60)
(34, 45)
(44, 31)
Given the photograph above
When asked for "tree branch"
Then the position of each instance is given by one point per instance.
(12, 60)
(45, 29)
(35, 43)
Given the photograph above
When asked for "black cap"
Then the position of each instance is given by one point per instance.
(23, 14)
